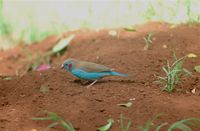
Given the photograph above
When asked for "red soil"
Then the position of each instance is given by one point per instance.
(88, 109)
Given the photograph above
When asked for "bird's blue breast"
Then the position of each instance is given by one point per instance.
(89, 75)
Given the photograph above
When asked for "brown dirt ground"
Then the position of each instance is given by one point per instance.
(21, 98)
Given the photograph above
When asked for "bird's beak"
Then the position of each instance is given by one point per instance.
(62, 66)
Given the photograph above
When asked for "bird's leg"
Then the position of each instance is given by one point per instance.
(92, 83)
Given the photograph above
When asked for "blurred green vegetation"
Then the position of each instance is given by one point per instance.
(4, 27)
(32, 21)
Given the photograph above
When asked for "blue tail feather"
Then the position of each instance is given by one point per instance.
(118, 74)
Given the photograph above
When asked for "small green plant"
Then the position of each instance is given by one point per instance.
(184, 125)
(149, 124)
(173, 73)
(148, 40)
(122, 123)
(51, 116)
(5, 27)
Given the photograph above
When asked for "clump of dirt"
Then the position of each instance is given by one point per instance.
(23, 97)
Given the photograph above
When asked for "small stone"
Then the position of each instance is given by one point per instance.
(193, 91)
(165, 46)
(132, 99)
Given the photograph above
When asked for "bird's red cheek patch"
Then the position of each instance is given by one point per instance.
(70, 66)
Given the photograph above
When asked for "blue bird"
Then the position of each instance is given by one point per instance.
(88, 71)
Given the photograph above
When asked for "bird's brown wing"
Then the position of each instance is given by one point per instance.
(91, 67)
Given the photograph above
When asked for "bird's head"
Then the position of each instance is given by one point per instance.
(68, 64)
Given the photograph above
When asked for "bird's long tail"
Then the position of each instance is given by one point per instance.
(118, 74)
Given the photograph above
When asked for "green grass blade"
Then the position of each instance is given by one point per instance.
(178, 61)
(130, 28)
(161, 125)
(107, 126)
(58, 120)
(162, 78)
(174, 71)
(41, 118)
(187, 72)
(159, 82)
(149, 123)
(1, 6)
(174, 55)
(128, 125)
(125, 127)
(165, 70)
(182, 124)
(67, 125)
(51, 125)
(53, 116)
(121, 122)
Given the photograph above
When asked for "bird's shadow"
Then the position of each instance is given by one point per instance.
(84, 83)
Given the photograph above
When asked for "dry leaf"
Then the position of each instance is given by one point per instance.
(191, 55)
(112, 33)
